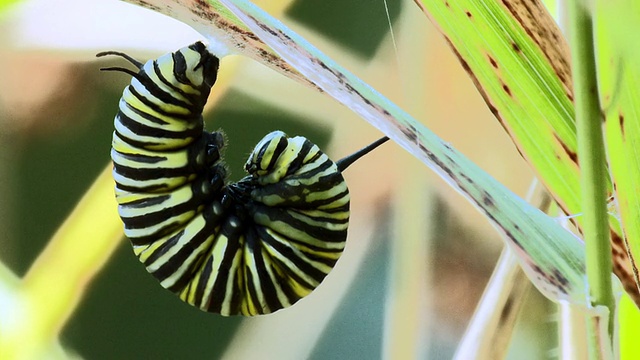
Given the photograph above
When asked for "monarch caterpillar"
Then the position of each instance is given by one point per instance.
(250, 247)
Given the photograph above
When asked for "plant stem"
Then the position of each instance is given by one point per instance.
(592, 158)
(57, 280)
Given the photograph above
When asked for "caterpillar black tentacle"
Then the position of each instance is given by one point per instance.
(245, 248)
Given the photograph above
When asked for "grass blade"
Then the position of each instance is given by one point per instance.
(65, 263)
(519, 61)
(592, 160)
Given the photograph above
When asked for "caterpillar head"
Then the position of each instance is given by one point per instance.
(276, 156)
(190, 71)
(202, 65)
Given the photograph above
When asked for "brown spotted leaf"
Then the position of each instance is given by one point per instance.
(619, 81)
(519, 61)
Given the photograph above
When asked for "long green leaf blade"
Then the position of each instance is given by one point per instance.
(519, 61)
(619, 80)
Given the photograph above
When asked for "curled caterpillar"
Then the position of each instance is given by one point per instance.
(245, 248)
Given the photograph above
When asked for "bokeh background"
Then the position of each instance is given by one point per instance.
(56, 119)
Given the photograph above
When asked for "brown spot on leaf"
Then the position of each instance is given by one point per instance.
(624, 266)
(493, 110)
(560, 278)
(493, 62)
(572, 154)
(465, 66)
(506, 89)
(515, 47)
(621, 121)
(466, 178)
(468, 14)
(561, 77)
(513, 239)
(410, 133)
(537, 269)
(536, 22)
(616, 240)
(487, 199)
(147, 5)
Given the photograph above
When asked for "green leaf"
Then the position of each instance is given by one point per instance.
(519, 61)
(619, 79)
